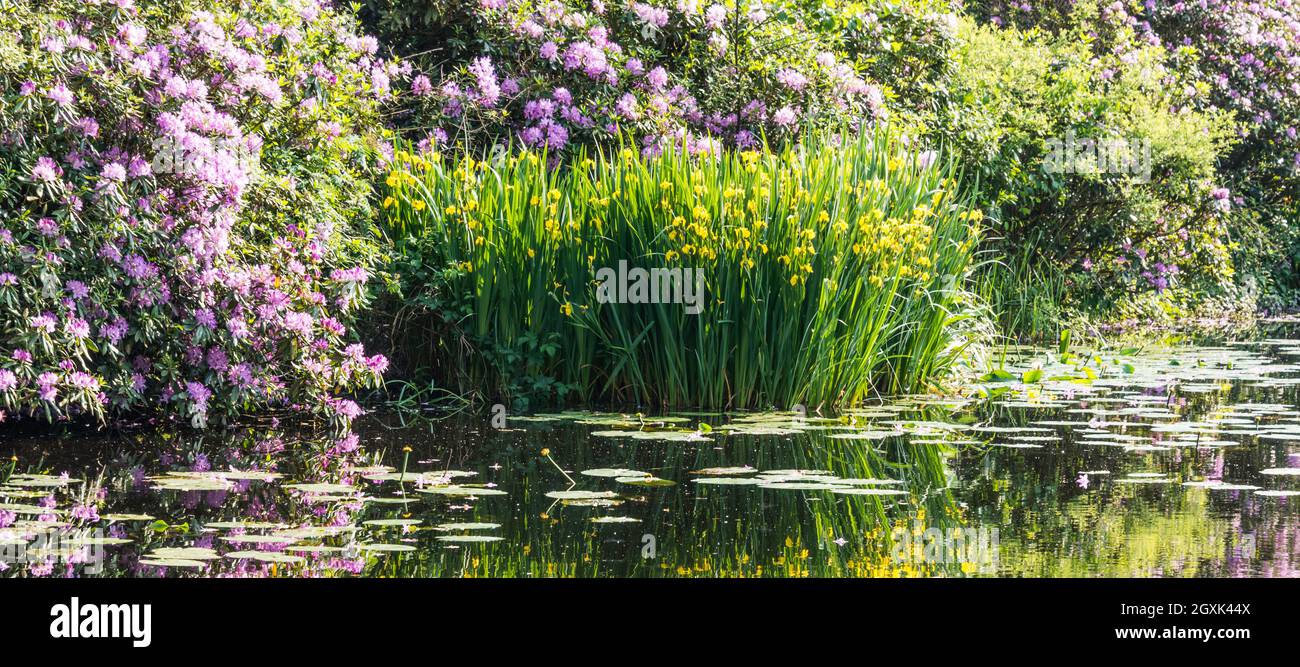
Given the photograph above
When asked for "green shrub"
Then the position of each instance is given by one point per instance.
(1241, 57)
(1147, 222)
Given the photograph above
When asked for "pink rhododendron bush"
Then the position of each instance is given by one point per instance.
(183, 198)
(689, 73)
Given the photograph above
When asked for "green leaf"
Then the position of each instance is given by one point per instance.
(998, 375)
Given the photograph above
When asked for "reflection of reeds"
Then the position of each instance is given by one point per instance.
(830, 271)
(699, 530)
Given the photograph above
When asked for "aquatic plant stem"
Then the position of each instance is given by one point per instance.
(547, 454)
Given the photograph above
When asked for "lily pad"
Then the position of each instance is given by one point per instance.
(462, 491)
(183, 553)
(323, 488)
(393, 522)
(387, 548)
(645, 481)
(580, 495)
(267, 557)
(799, 486)
(173, 562)
(468, 525)
(732, 470)
(469, 538)
(615, 472)
(257, 539)
(126, 517)
(860, 491)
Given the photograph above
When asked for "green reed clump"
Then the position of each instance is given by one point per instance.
(830, 271)
(1028, 293)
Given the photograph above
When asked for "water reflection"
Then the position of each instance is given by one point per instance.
(1172, 462)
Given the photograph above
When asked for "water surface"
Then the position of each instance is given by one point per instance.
(1162, 462)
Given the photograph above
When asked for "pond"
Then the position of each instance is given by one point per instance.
(1175, 461)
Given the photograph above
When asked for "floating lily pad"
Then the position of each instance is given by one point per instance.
(856, 481)
(462, 491)
(393, 548)
(392, 501)
(266, 557)
(671, 436)
(799, 486)
(236, 475)
(645, 481)
(732, 481)
(864, 435)
(797, 473)
(183, 553)
(393, 522)
(323, 488)
(23, 508)
(50, 481)
(615, 472)
(334, 498)
(580, 495)
(859, 491)
(468, 525)
(593, 502)
(190, 484)
(245, 525)
(257, 539)
(733, 470)
(469, 538)
(126, 517)
(1216, 485)
(173, 562)
(426, 477)
(314, 532)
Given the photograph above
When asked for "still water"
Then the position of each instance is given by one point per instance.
(1173, 461)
